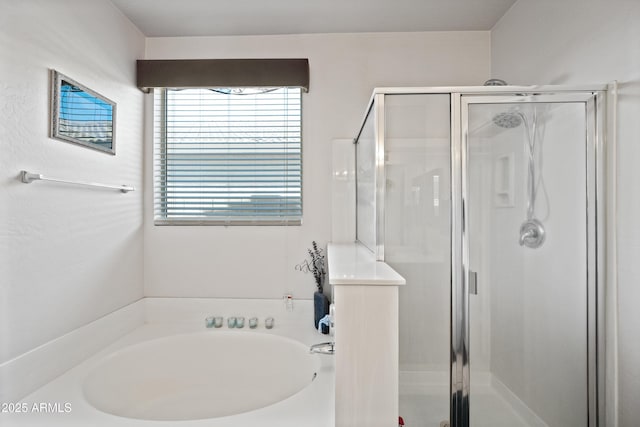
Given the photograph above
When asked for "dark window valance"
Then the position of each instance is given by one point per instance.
(186, 73)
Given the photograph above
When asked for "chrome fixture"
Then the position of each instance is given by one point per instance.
(495, 82)
(29, 177)
(473, 282)
(323, 348)
(508, 119)
(532, 234)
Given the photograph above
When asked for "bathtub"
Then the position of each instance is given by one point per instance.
(173, 371)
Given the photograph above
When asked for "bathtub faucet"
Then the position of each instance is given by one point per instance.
(323, 348)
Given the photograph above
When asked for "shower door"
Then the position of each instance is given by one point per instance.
(525, 261)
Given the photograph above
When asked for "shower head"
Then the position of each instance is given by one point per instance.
(508, 119)
(495, 82)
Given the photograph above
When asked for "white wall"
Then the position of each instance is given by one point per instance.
(258, 262)
(68, 255)
(583, 42)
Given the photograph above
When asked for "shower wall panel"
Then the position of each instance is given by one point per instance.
(417, 217)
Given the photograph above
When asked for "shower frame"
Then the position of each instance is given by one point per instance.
(461, 98)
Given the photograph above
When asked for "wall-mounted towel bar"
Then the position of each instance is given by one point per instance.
(29, 177)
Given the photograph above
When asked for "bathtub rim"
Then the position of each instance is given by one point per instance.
(163, 316)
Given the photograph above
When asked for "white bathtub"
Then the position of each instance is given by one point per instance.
(174, 371)
(200, 375)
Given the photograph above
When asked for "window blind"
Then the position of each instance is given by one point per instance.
(228, 156)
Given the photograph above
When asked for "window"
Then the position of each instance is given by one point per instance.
(228, 156)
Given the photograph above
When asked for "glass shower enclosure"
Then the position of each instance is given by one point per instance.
(489, 201)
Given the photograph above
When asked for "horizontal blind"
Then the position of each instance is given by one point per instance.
(227, 156)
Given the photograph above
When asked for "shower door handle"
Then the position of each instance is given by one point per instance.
(473, 283)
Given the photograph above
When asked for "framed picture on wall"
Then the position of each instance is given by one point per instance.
(81, 116)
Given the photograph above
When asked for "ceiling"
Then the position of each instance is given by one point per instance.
(177, 18)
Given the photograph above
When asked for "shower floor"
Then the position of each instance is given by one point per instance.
(427, 405)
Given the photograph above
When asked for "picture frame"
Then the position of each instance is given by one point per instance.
(81, 116)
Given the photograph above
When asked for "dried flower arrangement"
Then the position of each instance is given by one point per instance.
(314, 265)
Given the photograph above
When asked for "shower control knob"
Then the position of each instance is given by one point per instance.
(532, 234)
